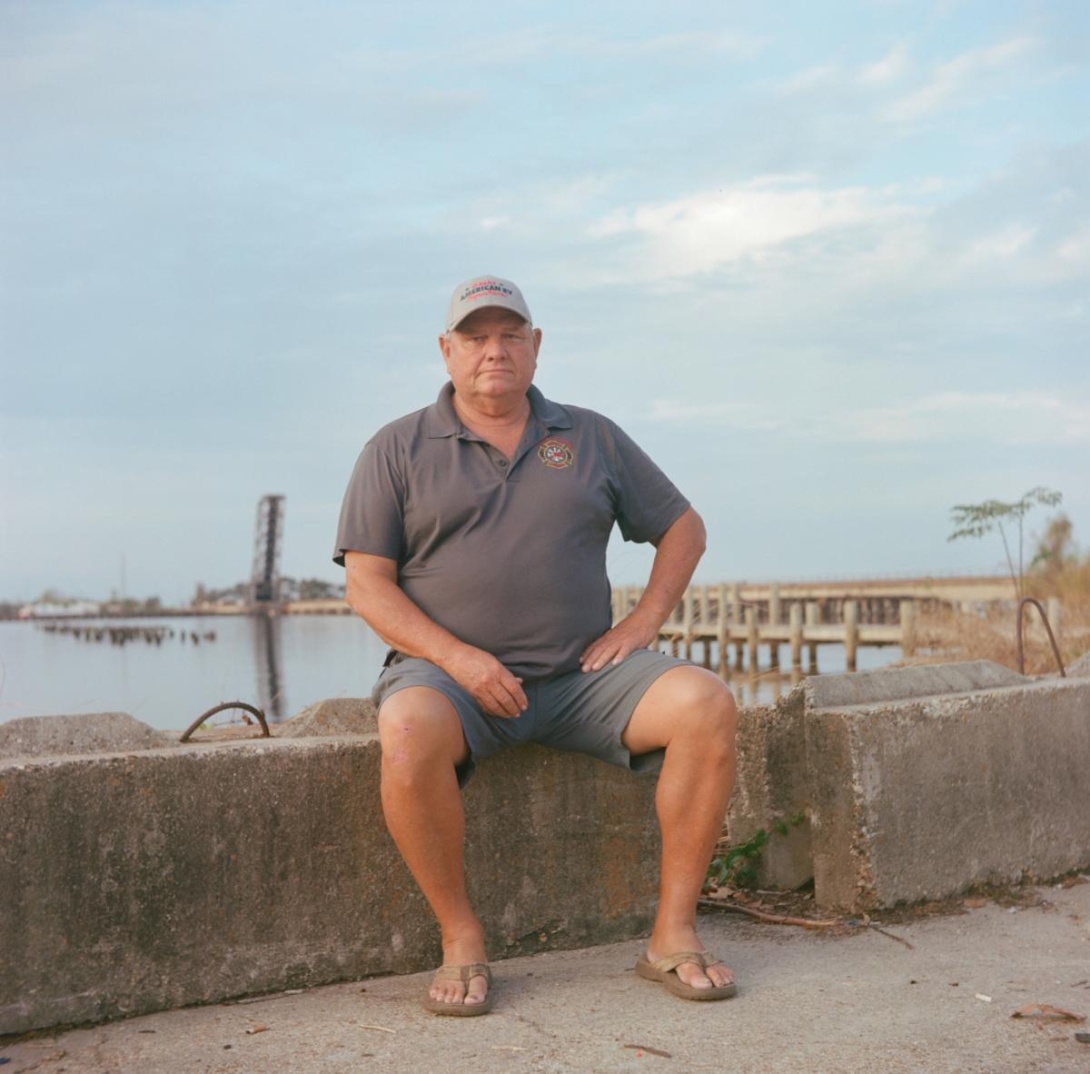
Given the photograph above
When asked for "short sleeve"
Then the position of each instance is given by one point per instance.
(372, 514)
(648, 502)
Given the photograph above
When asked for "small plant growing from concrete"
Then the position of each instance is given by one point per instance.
(736, 866)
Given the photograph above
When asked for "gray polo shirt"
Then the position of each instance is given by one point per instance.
(509, 557)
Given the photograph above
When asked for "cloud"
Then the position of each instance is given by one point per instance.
(686, 45)
(1005, 244)
(812, 78)
(1075, 250)
(1009, 418)
(503, 49)
(923, 251)
(958, 79)
(706, 230)
(890, 68)
(738, 415)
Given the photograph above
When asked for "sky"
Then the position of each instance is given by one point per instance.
(829, 264)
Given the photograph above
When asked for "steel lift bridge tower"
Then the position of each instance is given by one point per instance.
(265, 576)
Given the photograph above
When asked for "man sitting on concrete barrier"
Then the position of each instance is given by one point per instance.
(474, 536)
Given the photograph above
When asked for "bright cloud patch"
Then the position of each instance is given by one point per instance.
(710, 229)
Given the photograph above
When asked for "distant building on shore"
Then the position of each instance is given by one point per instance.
(59, 609)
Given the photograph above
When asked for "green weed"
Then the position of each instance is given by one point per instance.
(737, 865)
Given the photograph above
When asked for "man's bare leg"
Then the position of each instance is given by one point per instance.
(691, 713)
(422, 742)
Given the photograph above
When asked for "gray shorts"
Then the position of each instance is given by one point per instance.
(585, 712)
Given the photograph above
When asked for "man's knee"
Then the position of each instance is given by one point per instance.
(419, 727)
(709, 709)
(689, 703)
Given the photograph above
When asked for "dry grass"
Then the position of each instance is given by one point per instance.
(946, 634)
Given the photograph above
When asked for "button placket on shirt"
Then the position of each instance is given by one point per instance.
(497, 458)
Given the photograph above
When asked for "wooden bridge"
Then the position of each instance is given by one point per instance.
(806, 615)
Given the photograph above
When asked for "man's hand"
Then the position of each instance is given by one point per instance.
(374, 595)
(677, 553)
(630, 634)
(494, 688)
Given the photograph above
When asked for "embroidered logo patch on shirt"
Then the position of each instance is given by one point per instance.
(555, 453)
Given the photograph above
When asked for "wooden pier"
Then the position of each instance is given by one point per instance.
(804, 616)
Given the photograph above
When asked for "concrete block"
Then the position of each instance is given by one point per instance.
(99, 732)
(1080, 669)
(138, 882)
(896, 684)
(336, 716)
(772, 790)
(924, 797)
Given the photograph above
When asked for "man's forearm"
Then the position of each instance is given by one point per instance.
(374, 595)
(676, 557)
(382, 604)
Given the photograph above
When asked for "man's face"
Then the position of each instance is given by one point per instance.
(491, 357)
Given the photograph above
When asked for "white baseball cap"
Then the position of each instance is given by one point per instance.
(483, 292)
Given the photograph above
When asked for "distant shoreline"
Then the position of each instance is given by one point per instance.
(955, 587)
(295, 607)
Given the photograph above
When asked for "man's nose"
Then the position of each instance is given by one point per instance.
(495, 347)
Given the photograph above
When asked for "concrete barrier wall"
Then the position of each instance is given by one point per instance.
(156, 876)
(171, 876)
(927, 795)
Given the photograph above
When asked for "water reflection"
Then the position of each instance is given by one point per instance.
(757, 685)
(763, 688)
(266, 633)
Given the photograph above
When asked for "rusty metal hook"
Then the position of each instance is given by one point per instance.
(1051, 637)
(219, 708)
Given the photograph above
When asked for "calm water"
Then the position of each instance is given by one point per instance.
(282, 665)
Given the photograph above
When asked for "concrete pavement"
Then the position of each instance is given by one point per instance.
(809, 1002)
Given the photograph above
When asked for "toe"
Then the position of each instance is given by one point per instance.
(693, 975)
(477, 992)
(455, 993)
(720, 975)
(446, 993)
(716, 975)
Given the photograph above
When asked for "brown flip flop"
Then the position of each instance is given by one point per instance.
(463, 974)
(665, 972)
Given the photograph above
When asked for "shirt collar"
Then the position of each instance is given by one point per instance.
(443, 420)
